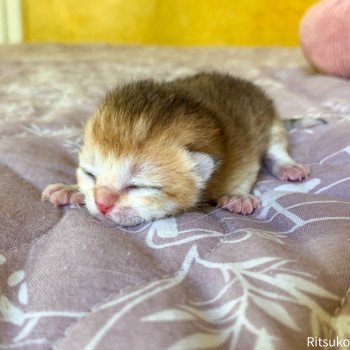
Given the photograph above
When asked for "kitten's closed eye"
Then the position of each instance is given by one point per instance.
(138, 187)
(88, 173)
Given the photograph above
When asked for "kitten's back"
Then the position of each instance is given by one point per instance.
(240, 104)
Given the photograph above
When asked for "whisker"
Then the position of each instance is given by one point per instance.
(212, 212)
(201, 217)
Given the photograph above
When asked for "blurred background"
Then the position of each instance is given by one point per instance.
(161, 22)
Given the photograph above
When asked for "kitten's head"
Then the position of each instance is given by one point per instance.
(134, 165)
(138, 187)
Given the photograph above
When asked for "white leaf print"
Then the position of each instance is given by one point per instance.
(15, 278)
(215, 313)
(276, 311)
(264, 341)
(168, 229)
(169, 315)
(2, 259)
(26, 329)
(200, 341)
(306, 286)
(346, 150)
(11, 313)
(23, 294)
(256, 262)
(165, 228)
(303, 187)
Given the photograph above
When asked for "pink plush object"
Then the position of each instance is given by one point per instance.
(325, 36)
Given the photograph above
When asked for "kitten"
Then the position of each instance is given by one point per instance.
(155, 149)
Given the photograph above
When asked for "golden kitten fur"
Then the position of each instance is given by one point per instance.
(155, 149)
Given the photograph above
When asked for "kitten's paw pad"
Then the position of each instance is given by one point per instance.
(293, 172)
(239, 204)
(60, 194)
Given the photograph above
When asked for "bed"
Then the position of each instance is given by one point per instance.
(207, 279)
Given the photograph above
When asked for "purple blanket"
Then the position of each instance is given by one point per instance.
(278, 279)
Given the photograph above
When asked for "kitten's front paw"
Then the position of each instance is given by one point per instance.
(60, 194)
(292, 172)
(239, 204)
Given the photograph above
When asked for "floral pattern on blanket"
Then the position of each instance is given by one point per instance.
(206, 279)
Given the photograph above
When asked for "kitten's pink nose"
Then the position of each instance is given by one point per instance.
(105, 199)
(103, 208)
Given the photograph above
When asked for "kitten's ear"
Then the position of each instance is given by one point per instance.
(204, 165)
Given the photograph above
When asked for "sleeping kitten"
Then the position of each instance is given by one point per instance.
(155, 149)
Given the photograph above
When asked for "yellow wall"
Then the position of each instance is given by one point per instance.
(183, 22)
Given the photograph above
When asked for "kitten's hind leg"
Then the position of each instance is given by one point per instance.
(60, 194)
(278, 161)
